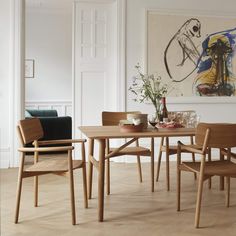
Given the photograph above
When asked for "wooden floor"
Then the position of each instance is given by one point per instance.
(131, 209)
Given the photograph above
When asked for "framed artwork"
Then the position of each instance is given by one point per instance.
(195, 55)
(29, 68)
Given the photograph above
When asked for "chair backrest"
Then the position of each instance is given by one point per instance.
(31, 130)
(113, 118)
(221, 135)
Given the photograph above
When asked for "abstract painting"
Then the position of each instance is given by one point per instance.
(195, 55)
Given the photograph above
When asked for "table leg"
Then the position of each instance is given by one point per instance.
(221, 178)
(90, 167)
(101, 179)
(152, 163)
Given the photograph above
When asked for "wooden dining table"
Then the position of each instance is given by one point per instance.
(101, 133)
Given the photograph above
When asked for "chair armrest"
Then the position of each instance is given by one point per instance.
(224, 152)
(60, 141)
(189, 148)
(45, 149)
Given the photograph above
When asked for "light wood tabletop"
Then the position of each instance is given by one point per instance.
(101, 133)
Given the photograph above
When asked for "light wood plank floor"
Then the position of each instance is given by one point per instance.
(131, 209)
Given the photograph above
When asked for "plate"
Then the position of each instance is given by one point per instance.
(169, 126)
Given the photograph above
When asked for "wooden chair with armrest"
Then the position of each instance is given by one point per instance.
(220, 136)
(113, 118)
(30, 131)
(223, 154)
(171, 149)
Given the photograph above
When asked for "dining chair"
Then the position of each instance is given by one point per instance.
(113, 118)
(219, 136)
(30, 132)
(223, 154)
(172, 149)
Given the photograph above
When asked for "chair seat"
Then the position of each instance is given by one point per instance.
(53, 166)
(173, 148)
(133, 151)
(221, 168)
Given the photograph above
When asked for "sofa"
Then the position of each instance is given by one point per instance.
(54, 126)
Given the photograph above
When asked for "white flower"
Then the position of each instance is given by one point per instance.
(148, 88)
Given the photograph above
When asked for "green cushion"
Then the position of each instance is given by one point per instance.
(43, 113)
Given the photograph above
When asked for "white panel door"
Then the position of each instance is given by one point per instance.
(95, 56)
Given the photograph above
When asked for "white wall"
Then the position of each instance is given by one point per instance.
(212, 110)
(135, 53)
(49, 43)
(4, 81)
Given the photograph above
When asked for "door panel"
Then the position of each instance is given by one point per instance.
(95, 62)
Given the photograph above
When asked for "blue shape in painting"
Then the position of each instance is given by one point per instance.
(215, 69)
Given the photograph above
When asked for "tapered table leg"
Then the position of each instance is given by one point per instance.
(90, 167)
(101, 179)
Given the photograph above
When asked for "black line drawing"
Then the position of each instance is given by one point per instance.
(182, 40)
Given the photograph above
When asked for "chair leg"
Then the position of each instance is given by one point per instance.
(152, 163)
(139, 169)
(90, 168)
(139, 164)
(228, 191)
(72, 194)
(108, 176)
(221, 177)
(193, 157)
(209, 159)
(36, 179)
(19, 188)
(167, 165)
(159, 159)
(199, 196)
(178, 188)
(195, 174)
(178, 176)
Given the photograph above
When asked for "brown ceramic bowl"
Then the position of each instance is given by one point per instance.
(131, 128)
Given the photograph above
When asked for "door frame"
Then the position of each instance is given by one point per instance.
(17, 72)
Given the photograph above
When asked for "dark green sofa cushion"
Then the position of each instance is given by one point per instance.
(56, 127)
